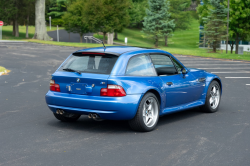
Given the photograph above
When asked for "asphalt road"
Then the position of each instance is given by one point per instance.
(30, 135)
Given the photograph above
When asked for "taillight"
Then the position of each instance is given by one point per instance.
(54, 87)
(113, 91)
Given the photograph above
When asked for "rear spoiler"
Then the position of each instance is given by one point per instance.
(94, 53)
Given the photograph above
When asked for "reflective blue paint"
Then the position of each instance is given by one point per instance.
(186, 92)
(113, 108)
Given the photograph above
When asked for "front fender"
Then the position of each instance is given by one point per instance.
(211, 77)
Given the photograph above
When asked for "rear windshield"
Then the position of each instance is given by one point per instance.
(99, 64)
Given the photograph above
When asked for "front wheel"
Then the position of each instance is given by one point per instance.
(147, 115)
(213, 98)
(67, 117)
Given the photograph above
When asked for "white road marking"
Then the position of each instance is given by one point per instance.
(247, 84)
(195, 61)
(231, 72)
(240, 64)
(237, 77)
(225, 68)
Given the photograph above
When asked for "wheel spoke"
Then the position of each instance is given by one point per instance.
(214, 90)
(144, 110)
(214, 101)
(149, 120)
(146, 119)
(211, 100)
(217, 93)
(150, 107)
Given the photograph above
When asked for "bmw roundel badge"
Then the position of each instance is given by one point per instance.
(78, 80)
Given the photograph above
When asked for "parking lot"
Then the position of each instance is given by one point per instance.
(30, 134)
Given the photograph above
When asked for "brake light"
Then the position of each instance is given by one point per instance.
(113, 91)
(54, 87)
(93, 53)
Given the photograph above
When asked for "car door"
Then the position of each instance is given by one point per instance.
(198, 80)
(178, 87)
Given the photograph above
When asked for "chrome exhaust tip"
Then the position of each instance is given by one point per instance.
(90, 116)
(95, 116)
(61, 112)
(57, 111)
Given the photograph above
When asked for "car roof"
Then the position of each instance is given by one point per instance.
(118, 50)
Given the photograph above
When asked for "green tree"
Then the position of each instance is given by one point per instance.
(9, 14)
(239, 24)
(157, 23)
(106, 15)
(137, 12)
(56, 9)
(28, 11)
(203, 11)
(17, 12)
(73, 21)
(179, 13)
(215, 30)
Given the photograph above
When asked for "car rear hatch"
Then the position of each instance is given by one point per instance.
(85, 73)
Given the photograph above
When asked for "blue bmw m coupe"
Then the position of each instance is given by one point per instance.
(129, 83)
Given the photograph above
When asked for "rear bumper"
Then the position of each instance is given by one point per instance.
(112, 108)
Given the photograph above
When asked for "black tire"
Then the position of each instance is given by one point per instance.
(67, 118)
(137, 123)
(207, 107)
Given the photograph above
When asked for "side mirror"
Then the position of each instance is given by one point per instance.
(184, 71)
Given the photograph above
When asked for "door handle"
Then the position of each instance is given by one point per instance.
(169, 83)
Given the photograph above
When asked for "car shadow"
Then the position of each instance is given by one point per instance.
(110, 126)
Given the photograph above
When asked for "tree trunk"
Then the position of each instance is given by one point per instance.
(156, 41)
(166, 40)
(214, 47)
(110, 38)
(116, 36)
(41, 31)
(231, 43)
(16, 23)
(14, 28)
(27, 27)
(104, 35)
(237, 43)
(81, 38)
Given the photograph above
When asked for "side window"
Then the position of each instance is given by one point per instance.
(178, 65)
(163, 64)
(140, 65)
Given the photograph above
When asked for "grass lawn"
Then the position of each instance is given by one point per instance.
(184, 42)
(7, 32)
(3, 71)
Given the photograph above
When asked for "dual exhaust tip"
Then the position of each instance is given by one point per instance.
(94, 116)
(58, 111)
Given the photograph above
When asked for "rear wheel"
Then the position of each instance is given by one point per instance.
(66, 117)
(147, 115)
(212, 98)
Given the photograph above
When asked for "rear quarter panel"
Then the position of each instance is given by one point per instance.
(139, 85)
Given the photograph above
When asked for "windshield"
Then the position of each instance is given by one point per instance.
(99, 64)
